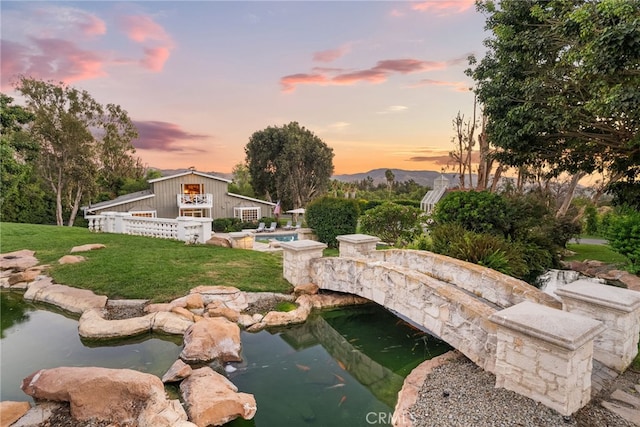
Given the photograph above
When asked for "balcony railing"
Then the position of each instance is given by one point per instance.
(195, 201)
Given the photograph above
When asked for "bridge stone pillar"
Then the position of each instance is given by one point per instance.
(357, 245)
(617, 308)
(545, 354)
(297, 257)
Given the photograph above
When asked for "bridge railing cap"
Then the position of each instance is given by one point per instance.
(303, 245)
(357, 238)
(567, 330)
(619, 299)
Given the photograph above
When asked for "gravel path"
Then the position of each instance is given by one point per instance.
(459, 393)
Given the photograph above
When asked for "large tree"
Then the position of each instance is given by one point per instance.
(289, 164)
(560, 84)
(21, 196)
(82, 144)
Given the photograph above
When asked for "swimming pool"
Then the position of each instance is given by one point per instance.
(281, 237)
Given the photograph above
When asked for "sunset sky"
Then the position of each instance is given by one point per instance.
(378, 81)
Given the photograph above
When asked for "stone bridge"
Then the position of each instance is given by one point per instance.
(535, 344)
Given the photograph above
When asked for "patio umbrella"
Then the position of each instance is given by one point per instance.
(296, 211)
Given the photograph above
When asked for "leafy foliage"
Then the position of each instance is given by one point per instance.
(331, 217)
(393, 223)
(479, 211)
(560, 84)
(22, 198)
(624, 236)
(83, 146)
(289, 164)
(491, 229)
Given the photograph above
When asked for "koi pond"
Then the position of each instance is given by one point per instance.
(342, 367)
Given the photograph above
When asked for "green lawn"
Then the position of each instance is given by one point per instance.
(595, 252)
(144, 267)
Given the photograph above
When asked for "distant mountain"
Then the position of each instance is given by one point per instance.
(400, 175)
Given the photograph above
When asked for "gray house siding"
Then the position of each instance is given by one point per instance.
(165, 191)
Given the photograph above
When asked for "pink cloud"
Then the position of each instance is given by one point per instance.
(405, 66)
(157, 42)
(457, 86)
(155, 57)
(164, 136)
(377, 74)
(371, 76)
(454, 6)
(290, 82)
(54, 59)
(93, 26)
(330, 55)
(397, 13)
(140, 28)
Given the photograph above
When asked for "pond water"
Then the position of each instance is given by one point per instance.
(340, 368)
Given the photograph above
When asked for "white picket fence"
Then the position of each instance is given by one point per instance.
(186, 229)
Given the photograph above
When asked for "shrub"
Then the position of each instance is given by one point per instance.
(624, 236)
(591, 220)
(330, 217)
(393, 223)
(479, 211)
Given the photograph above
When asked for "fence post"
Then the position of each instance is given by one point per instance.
(618, 308)
(545, 354)
(357, 245)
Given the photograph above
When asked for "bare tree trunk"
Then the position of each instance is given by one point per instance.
(58, 190)
(569, 195)
(484, 163)
(496, 178)
(605, 183)
(76, 206)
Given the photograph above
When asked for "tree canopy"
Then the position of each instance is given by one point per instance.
(560, 84)
(83, 146)
(289, 164)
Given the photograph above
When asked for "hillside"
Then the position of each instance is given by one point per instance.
(401, 175)
(421, 177)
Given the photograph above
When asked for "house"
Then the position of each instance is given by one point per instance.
(186, 194)
(440, 186)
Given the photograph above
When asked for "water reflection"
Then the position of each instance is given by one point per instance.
(340, 368)
(13, 310)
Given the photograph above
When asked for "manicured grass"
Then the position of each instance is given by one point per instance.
(144, 267)
(595, 252)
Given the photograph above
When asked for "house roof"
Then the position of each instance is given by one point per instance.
(127, 198)
(164, 178)
(238, 196)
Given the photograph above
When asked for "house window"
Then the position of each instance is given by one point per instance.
(144, 214)
(192, 189)
(196, 213)
(251, 214)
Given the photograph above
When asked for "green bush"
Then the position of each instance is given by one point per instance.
(624, 236)
(591, 220)
(478, 211)
(330, 217)
(393, 223)
(480, 248)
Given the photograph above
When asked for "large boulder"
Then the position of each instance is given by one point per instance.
(232, 297)
(210, 339)
(18, 260)
(11, 411)
(115, 395)
(71, 299)
(87, 247)
(92, 324)
(212, 399)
